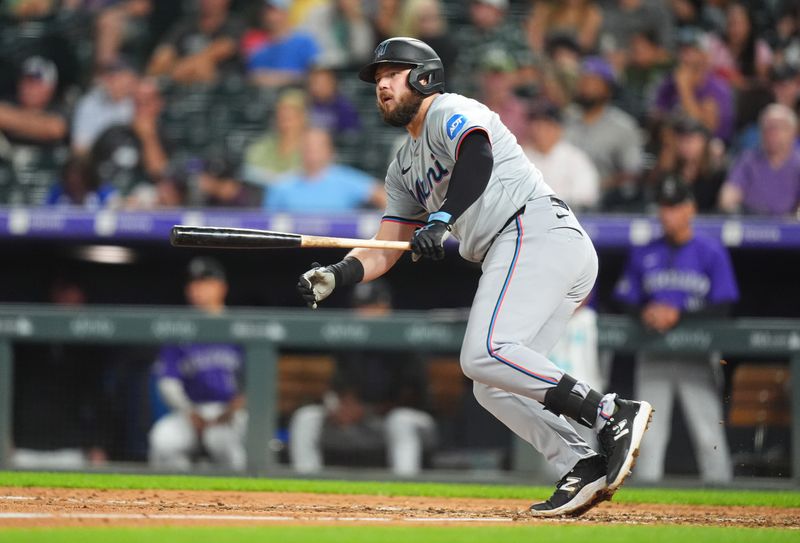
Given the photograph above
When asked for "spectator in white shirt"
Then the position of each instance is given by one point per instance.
(567, 169)
(109, 103)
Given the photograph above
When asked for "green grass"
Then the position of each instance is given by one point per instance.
(402, 534)
(177, 482)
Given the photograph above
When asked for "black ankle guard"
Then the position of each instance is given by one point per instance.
(562, 400)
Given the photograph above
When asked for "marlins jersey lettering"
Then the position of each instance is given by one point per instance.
(418, 177)
(209, 372)
(688, 277)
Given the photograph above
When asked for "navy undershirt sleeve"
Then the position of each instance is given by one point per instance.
(471, 174)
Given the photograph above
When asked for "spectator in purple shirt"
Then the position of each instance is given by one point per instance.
(199, 382)
(766, 180)
(680, 275)
(330, 109)
(692, 89)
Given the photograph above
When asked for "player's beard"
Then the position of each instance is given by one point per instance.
(405, 110)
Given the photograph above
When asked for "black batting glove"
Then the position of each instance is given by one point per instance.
(428, 241)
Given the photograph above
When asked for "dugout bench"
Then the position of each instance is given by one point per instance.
(263, 332)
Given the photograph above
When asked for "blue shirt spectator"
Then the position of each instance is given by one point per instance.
(295, 53)
(79, 185)
(335, 188)
(323, 186)
(287, 56)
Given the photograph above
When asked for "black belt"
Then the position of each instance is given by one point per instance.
(519, 212)
(553, 200)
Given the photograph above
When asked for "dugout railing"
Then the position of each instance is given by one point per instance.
(263, 332)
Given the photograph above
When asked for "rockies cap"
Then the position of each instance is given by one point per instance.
(673, 191)
(40, 68)
(204, 267)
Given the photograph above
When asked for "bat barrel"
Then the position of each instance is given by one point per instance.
(231, 238)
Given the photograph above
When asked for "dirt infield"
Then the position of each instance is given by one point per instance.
(20, 507)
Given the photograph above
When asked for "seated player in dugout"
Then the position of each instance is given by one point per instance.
(461, 172)
(679, 275)
(200, 384)
(376, 402)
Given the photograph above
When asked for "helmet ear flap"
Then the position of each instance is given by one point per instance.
(433, 80)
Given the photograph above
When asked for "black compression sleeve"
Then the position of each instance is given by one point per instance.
(470, 174)
(347, 272)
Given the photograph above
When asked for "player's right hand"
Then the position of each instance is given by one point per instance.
(315, 285)
(428, 241)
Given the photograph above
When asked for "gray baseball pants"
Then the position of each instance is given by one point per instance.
(536, 273)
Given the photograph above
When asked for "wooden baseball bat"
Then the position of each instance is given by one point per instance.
(212, 237)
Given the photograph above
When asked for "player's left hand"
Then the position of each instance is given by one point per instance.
(428, 241)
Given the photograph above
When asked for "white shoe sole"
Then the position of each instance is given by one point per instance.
(640, 423)
(589, 496)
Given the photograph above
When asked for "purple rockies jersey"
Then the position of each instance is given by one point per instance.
(689, 277)
(209, 372)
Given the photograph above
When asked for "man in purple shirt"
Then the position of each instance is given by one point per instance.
(200, 384)
(680, 274)
(766, 179)
(693, 90)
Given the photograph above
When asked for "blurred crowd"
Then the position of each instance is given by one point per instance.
(140, 104)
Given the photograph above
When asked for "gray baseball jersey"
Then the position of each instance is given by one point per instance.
(418, 177)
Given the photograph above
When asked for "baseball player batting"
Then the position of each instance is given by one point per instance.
(460, 172)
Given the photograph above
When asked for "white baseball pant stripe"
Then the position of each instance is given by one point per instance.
(536, 273)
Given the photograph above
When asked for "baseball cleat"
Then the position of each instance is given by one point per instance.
(620, 439)
(578, 491)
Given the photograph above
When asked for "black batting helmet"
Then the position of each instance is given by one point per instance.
(424, 61)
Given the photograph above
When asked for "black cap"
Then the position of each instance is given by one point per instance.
(673, 191)
(374, 292)
(688, 125)
(561, 40)
(203, 267)
(222, 166)
(544, 110)
(781, 73)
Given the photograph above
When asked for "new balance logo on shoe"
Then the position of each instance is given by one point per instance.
(621, 430)
(578, 491)
(569, 485)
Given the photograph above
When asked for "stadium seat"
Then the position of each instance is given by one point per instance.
(302, 379)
